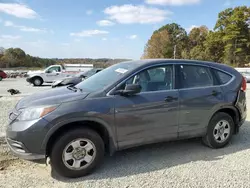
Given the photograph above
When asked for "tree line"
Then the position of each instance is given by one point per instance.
(16, 57)
(228, 42)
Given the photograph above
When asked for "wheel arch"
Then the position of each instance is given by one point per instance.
(101, 128)
(231, 111)
(36, 76)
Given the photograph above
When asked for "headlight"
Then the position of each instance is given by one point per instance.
(35, 113)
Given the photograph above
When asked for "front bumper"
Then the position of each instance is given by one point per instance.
(28, 80)
(25, 138)
(19, 150)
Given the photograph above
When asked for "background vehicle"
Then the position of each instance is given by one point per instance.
(3, 75)
(127, 105)
(76, 79)
(245, 72)
(56, 72)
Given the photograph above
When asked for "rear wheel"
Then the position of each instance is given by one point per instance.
(77, 153)
(220, 130)
(1, 78)
(37, 81)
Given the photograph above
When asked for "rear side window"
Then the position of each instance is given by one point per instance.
(223, 77)
(192, 76)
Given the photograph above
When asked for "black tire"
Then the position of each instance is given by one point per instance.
(37, 81)
(60, 144)
(1, 78)
(209, 139)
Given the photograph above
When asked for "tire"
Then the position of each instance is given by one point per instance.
(1, 78)
(61, 146)
(37, 81)
(212, 138)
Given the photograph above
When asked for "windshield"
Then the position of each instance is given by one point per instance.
(107, 76)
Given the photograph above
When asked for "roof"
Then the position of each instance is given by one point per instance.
(146, 62)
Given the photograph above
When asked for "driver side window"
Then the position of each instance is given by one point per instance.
(57, 69)
(153, 79)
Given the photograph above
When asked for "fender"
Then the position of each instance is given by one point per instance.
(231, 107)
(29, 79)
(56, 127)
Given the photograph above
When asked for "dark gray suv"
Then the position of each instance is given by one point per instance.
(126, 105)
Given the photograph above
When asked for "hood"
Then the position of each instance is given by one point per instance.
(50, 97)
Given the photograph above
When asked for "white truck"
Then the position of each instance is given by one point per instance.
(56, 72)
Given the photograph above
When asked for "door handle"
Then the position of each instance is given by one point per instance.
(170, 99)
(215, 93)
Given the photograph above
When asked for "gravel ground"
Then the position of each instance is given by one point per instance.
(172, 164)
(20, 84)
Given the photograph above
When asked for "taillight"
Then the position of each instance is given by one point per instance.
(244, 84)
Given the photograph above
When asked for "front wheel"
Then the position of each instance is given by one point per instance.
(1, 78)
(77, 153)
(37, 81)
(220, 130)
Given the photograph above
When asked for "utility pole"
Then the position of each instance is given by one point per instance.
(174, 51)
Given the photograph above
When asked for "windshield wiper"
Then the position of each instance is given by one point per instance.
(73, 88)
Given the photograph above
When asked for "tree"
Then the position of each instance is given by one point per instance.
(198, 35)
(234, 24)
(214, 46)
(158, 45)
(167, 38)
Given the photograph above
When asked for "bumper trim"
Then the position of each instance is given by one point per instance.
(23, 155)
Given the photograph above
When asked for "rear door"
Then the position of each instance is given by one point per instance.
(199, 97)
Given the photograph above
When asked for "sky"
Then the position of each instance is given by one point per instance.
(98, 29)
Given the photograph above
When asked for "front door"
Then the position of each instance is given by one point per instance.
(53, 73)
(199, 97)
(151, 115)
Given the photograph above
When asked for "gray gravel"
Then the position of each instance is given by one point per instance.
(174, 164)
(6, 104)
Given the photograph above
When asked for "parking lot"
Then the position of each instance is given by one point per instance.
(172, 164)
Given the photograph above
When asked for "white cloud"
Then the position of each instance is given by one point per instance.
(10, 37)
(18, 10)
(89, 33)
(65, 44)
(132, 37)
(38, 43)
(8, 23)
(89, 12)
(105, 23)
(77, 40)
(128, 14)
(104, 39)
(172, 2)
(191, 27)
(23, 28)
(228, 3)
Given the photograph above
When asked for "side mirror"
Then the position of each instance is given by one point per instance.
(130, 89)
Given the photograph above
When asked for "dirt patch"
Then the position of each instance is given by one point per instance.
(6, 158)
